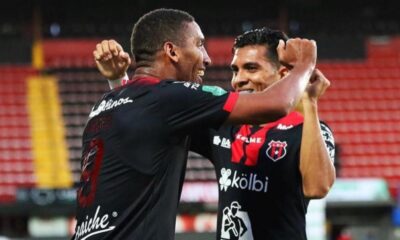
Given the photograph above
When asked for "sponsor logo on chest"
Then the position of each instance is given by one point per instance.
(221, 141)
(243, 181)
(226, 143)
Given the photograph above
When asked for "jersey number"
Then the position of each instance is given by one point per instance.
(91, 164)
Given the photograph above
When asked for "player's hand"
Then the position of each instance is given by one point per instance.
(297, 51)
(111, 59)
(316, 87)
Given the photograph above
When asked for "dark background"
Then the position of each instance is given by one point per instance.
(342, 23)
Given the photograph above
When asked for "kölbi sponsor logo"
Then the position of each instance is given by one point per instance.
(110, 104)
(244, 181)
(94, 225)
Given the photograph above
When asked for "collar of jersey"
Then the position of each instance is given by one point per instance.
(146, 80)
(293, 118)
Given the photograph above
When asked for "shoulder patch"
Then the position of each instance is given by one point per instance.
(329, 140)
(214, 90)
(189, 85)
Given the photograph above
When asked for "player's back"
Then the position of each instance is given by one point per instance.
(127, 153)
(134, 156)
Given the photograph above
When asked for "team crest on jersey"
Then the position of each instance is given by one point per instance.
(276, 150)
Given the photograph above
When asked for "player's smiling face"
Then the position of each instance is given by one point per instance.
(194, 58)
(252, 70)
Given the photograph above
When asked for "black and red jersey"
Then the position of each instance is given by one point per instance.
(258, 173)
(135, 147)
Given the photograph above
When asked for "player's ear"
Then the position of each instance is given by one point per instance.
(283, 71)
(171, 50)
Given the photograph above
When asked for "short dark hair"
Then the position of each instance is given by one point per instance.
(261, 36)
(155, 28)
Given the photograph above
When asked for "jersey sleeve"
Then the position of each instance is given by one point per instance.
(200, 142)
(187, 106)
(329, 140)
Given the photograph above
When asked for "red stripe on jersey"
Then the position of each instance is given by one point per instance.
(247, 144)
(125, 81)
(293, 118)
(257, 140)
(238, 144)
(231, 101)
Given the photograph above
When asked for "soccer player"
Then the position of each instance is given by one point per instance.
(270, 170)
(135, 143)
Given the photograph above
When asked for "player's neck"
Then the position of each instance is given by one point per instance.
(299, 108)
(157, 69)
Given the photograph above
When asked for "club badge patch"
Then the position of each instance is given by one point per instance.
(276, 150)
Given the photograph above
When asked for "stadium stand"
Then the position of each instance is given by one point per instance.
(16, 158)
(362, 107)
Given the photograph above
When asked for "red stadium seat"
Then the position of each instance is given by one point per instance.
(220, 50)
(16, 166)
(69, 53)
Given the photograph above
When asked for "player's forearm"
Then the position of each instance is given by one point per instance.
(289, 90)
(318, 172)
(114, 83)
(117, 82)
(274, 102)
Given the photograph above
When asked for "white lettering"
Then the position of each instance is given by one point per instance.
(195, 86)
(249, 139)
(258, 184)
(94, 225)
(107, 105)
(217, 140)
(226, 143)
(284, 127)
(104, 221)
(245, 182)
(250, 180)
(235, 180)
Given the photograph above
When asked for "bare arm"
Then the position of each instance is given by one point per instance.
(271, 104)
(282, 97)
(316, 167)
(112, 62)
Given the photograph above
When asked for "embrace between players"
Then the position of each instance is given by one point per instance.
(270, 151)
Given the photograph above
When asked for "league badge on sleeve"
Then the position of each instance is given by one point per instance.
(276, 150)
(329, 140)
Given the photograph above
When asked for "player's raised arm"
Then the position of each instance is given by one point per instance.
(112, 61)
(256, 108)
(317, 143)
